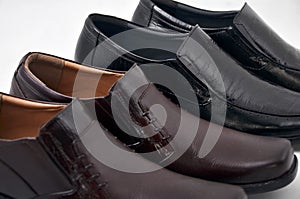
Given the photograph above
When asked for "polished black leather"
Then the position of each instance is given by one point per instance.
(58, 164)
(242, 34)
(253, 105)
(238, 156)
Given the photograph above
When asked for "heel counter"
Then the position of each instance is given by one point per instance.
(15, 89)
(143, 13)
(85, 47)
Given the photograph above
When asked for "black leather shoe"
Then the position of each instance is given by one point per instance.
(242, 34)
(125, 105)
(253, 105)
(57, 162)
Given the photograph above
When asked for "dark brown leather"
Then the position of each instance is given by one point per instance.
(236, 158)
(56, 164)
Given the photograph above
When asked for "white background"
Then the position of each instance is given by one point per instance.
(53, 26)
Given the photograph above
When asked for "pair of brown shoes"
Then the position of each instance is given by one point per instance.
(115, 140)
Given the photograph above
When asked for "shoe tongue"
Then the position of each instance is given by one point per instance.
(264, 38)
(248, 23)
(200, 55)
(246, 17)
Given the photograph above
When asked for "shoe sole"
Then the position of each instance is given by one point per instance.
(274, 184)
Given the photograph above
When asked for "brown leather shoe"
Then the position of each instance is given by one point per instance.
(55, 162)
(258, 164)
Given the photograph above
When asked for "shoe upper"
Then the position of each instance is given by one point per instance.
(214, 76)
(26, 170)
(59, 161)
(126, 108)
(242, 34)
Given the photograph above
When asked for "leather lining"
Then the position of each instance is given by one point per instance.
(21, 118)
(69, 78)
(206, 18)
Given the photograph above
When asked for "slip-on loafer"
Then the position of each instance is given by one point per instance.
(48, 151)
(132, 108)
(253, 105)
(242, 34)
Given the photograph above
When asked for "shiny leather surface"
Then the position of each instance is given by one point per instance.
(250, 100)
(27, 171)
(56, 164)
(237, 157)
(246, 37)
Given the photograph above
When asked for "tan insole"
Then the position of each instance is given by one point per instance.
(21, 118)
(69, 78)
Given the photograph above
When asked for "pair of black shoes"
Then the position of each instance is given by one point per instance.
(190, 66)
(258, 83)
